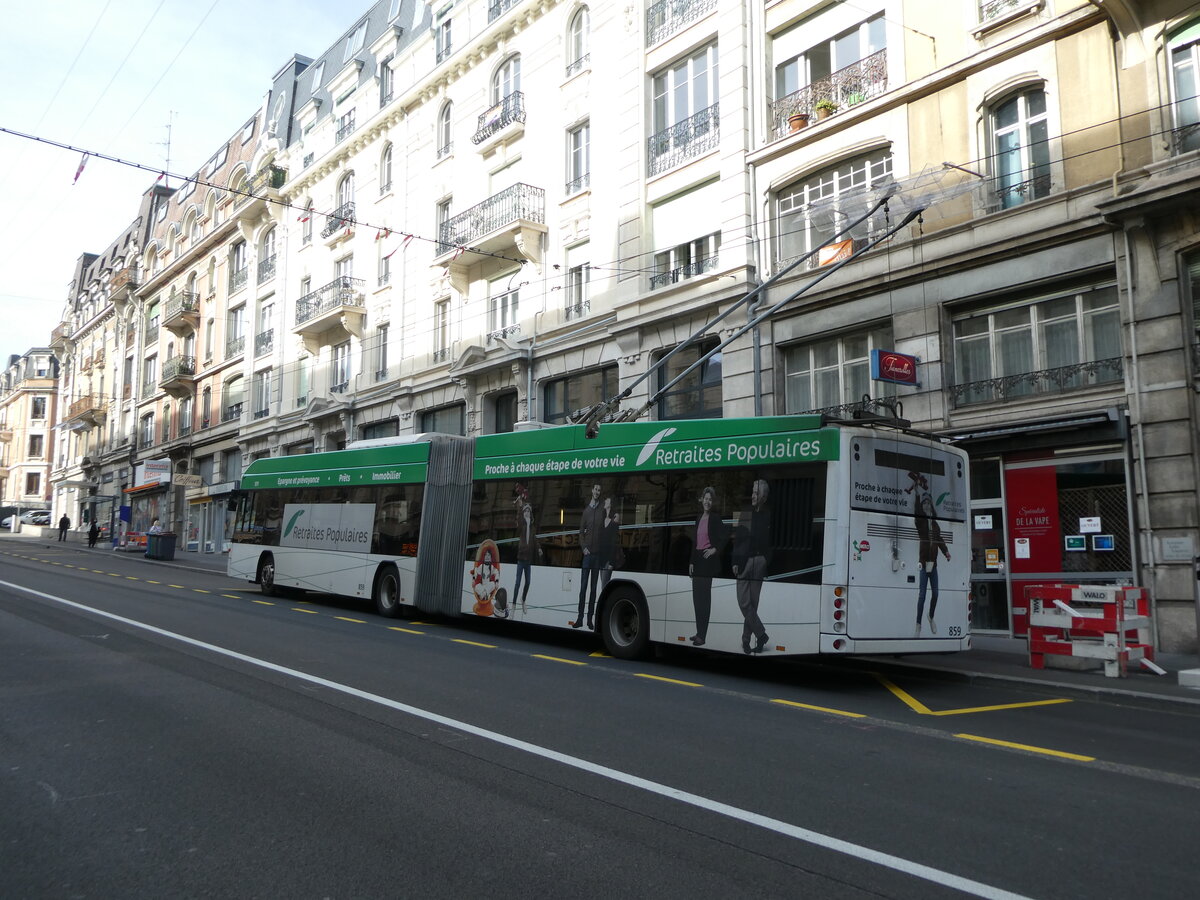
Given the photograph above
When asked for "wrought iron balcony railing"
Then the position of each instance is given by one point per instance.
(345, 128)
(510, 109)
(519, 202)
(266, 269)
(994, 9)
(342, 291)
(846, 87)
(497, 8)
(150, 332)
(685, 140)
(578, 65)
(1185, 138)
(231, 411)
(577, 310)
(504, 332)
(1044, 381)
(680, 273)
(183, 303)
(342, 217)
(1006, 196)
(666, 17)
(235, 346)
(179, 367)
(264, 342)
(272, 177)
(84, 406)
(238, 278)
(579, 184)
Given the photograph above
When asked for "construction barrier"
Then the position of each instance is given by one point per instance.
(1103, 622)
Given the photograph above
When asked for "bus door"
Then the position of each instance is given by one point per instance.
(907, 520)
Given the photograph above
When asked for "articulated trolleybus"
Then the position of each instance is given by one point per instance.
(774, 536)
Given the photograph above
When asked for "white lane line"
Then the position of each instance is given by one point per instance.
(816, 838)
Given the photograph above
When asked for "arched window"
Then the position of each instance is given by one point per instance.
(578, 37)
(231, 403)
(443, 139)
(507, 80)
(1184, 44)
(193, 228)
(385, 170)
(1021, 149)
(206, 407)
(306, 221)
(266, 256)
(345, 190)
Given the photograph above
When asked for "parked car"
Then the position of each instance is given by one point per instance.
(29, 517)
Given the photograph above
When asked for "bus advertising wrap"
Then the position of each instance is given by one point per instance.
(328, 526)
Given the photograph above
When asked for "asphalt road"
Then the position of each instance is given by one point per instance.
(165, 732)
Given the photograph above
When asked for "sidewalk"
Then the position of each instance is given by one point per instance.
(991, 659)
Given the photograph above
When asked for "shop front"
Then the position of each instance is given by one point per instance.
(209, 522)
(1057, 513)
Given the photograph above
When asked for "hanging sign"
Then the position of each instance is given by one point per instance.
(898, 368)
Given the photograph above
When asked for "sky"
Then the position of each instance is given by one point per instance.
(108, 76)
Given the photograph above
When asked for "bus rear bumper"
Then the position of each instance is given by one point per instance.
(840, 644)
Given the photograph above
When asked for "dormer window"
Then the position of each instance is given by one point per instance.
(355, 41)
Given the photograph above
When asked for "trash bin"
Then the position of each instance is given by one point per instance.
(160, 546)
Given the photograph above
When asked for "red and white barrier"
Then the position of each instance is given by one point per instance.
(1103, 622)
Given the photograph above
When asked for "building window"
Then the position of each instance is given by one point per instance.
(1020, 144)
(827, 374)
(146, 436)
(37, 446)
(502, 309)
(339, 373)
(697, 396)
(1061, 343)
(238, 266)
(306, 222)
(166, 423)
(381, 352)
(33, 483)
(345, 190)
(507, 79)
(262, 394)
(266, 256)
(685, 260)
(568, 398)
(442, 215)
(444, 141)
(385, 170)
(37, 408)
(1191, 263)
(579, 164)
(576, 288)
(441, 330)
(354, 41)
(578, 41)
(235, 331)
(385, 429)
(233, 400)
(387, 81)
(187, 414)
(800, 230)
(442, 36)
(149, 375)
(836, 72)
(383, 274)
(685, 120)
(303, 366)
(345, 126)
(1184, 46)
(445, 420)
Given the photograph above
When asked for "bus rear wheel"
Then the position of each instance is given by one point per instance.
(387, 592)
(266, 576)
(625, 624)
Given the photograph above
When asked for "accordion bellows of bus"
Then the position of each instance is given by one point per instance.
(766, 536)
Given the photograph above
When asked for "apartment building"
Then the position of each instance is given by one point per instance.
(28, 408)
(466, 216)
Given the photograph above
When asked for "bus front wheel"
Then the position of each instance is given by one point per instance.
(625, 625)
(387, 592)
(266, 576)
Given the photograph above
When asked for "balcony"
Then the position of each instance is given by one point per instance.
(504, 121)
(150, 331)
(681, 273)
(667, 17)
(256, 193)
(266, 269)
(693, 137)
(60, 336)
(231, 412)
(345, 127)
(238, 278)
(122, 285)
(510, 222)
(182, 310)
(264, 342)
(1041, 383)
(331, 314)
(85, 412)
(497, 8)
(340, 220)
(6, 434)
(846, 87)
(178, 375)
(235, 346)
(85, 365)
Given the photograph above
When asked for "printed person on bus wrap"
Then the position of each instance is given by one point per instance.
(591, 528)
(751, 555)
(612, 556)
(930, 541)
(527, 549)
(710, 536)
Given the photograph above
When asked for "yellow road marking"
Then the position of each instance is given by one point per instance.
(201, 591)
(98, 571)
(263, 602)
(175, 586)
(1047, 752)
(312, 612)
(114, 574)
(347, 619)
(426, 624)
(601, 654)
(238, 597)
(133, 578)
(824, 709)
(918, 707)
(473, 643)
(405, 630)
(668, 680)
(148, 581)
(571, 662)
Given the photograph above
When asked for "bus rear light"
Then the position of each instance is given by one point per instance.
(839, 614)
(839, 627)
(839, 644)
(839, 603)
(839, 591)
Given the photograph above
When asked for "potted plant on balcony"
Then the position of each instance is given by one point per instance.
(825, 108)
(798, 120)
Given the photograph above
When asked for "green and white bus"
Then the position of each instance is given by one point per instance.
(774, 536)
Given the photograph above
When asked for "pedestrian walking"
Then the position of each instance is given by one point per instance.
(63, 524)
